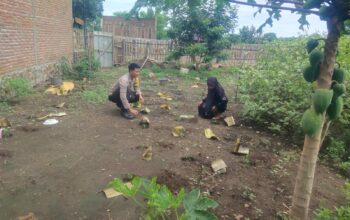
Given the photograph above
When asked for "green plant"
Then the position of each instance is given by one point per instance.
(273, 92)
(13, 89)
(98, 95)
(340, 213)
(87, 65)
(64, 67)
(4, 107)
(161, 203)
(248, 194)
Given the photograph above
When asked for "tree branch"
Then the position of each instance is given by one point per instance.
(276, 7)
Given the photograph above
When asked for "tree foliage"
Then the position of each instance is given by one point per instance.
(88, 10)
(199, 28)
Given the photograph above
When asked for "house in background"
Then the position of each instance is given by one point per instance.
(34, 36)
(133, 27)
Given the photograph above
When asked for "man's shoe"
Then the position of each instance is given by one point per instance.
(127, 115)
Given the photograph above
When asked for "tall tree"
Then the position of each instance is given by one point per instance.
(89, 10)
(199, 28)
(249, 35)
(335, 13)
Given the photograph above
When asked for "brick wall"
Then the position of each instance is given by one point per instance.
(34, 34)
(139, 28)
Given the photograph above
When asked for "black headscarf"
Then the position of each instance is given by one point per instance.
(216, 88)
(215, 95)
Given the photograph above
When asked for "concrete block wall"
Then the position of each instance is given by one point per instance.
(34, 35)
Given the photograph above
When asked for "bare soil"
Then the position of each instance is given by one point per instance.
(58, 172)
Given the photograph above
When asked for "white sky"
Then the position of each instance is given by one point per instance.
(287, 26)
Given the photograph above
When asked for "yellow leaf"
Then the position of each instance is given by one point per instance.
(147, 155)
(178, 131)
(209, 134)
(165, 107)
(230, 121)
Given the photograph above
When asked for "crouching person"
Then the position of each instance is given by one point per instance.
(127, 91)
(215, 103)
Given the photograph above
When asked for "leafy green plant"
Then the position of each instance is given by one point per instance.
(161, 203)
(86, 66)
(64, 67)
(273, 92)
(13, 89)
(340, 213)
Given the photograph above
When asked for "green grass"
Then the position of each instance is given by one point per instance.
(95, 96)
(4, 107)
(13, 89)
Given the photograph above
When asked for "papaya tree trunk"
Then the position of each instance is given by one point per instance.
(309, 155)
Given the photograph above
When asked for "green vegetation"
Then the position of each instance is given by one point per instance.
(86, 67)
(11, 90)
(96, 96)
(339, 213)
(158, 202)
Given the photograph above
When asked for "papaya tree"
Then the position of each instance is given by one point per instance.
(327, 103)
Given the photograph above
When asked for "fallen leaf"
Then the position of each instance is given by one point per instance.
(66, 87)
(61, 105)
(110, 192)
(219, 166)
(209, 134)
(239, 217)
(145, 110)
(195, 86)
(59, 114)
(147, 154)
(4, 122)
(178, 131)
(165, 107)
(164, 96)
(29, 216)
(230, 121)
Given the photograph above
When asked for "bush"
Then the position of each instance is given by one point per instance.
(274, 91)
(340, 213)
(86, 66)
(11, 90)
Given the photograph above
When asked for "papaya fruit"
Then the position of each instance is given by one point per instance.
(311, 73)
(335, 108)
(315, 57)
(311, 122)
(338, 75)
(322, 98)
(311, 44)
(339, 89)
(325, 12)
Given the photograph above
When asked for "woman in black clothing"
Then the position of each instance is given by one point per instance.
(216, 101)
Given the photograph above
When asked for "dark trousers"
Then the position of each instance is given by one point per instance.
(208, 114)
(130, 95)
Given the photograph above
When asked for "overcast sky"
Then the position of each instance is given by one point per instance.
(287, 26)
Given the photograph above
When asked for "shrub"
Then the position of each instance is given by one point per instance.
(11, 90)
(273, 91)
(86, 66)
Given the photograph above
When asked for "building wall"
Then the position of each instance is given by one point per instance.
(143, 28)
(34, 35)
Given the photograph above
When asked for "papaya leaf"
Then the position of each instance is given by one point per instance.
(205, 203)
(119, 186)
(191, 199)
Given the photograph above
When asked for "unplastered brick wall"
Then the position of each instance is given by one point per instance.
(34, 35)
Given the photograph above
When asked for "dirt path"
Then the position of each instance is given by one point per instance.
(57, 172)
